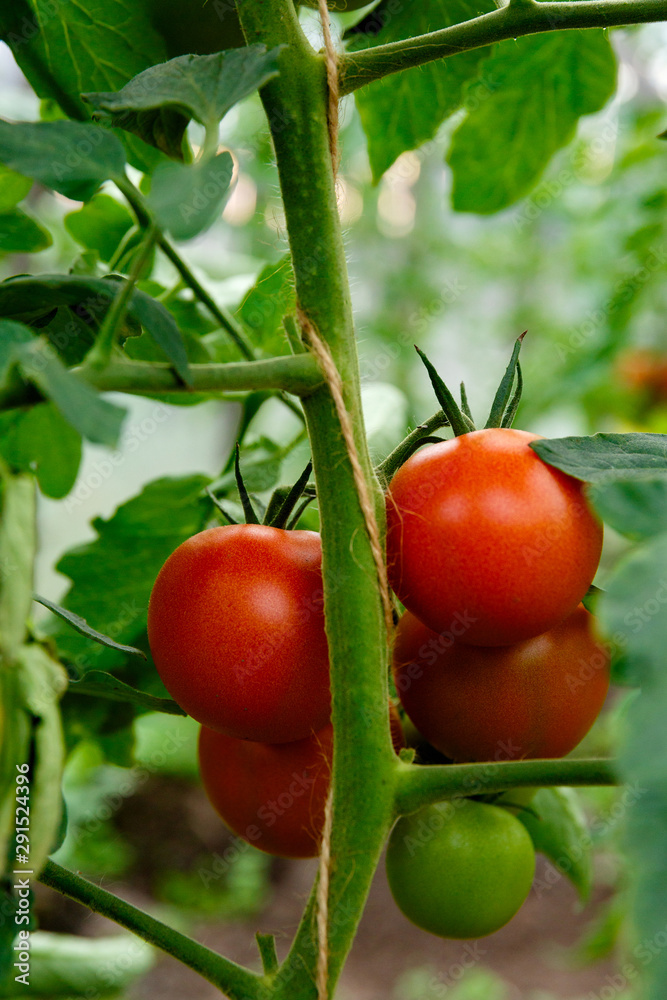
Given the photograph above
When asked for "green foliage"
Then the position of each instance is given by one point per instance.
(187, 199)
(263, 308)
(530, 97)
(405, 110)
(42, 441)
(74, 967)
(25, 296)
(100, 225)
(70, 157)
(558, 829)
(597, 458)
(21, 234)
(158, 103)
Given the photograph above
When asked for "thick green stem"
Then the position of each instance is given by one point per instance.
(528, 17)
(236, 982)
(298, 375)
(296, 106)
(418, 786)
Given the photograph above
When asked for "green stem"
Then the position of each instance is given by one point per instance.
(298, 375)
(223, 317)
(526, 18)
(296, 106)
(401, 453)
(418, 786)
(100, 353)
(236, 982)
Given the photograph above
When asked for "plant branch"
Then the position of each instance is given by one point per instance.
(297, 374)
(527, 17)
(223, 316)
(402, 452)
(236, 982)
(418, 786)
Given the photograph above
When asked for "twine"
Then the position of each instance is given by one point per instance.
(332, 84)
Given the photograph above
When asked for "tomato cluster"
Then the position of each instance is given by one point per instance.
(491, 551)
(236, 630)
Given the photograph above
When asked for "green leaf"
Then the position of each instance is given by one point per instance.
(81, 626)
(186, 200)
(91, 415)
(13, 188)
(73, 158)
(112, 576)
(99, 683)
(405, 110)
(64, 49)
(100, 225)
(605, 456)
(634, 613)
(21, 234)
(636, 508)
(77, 967)
(17, 552)
(158, 103)
(557, 826)
(27, 296)
(534, 90)
(263, 308)
(40, 440)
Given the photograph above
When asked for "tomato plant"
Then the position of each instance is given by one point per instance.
(536, 698)
(460, 870)
(279, 641)
(488, 542)
(236, 629)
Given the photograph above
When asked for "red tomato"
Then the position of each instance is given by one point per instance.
(487, 541)
(236, 629)
(273, 796)
(537, 698)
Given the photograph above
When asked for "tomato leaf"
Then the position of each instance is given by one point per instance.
(100, 225)
(98, 682)
(81, 626)
(636, 508)
(557, 826)
(186, 200)
(158, 103)
(26, 296)
(532, 93)
(41, 441)
(21, 234)
(405, 110)
(605, 456)
(73, 158)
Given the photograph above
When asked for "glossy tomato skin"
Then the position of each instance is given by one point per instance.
(273, 795)
(236, 629)
(488, 541)
(460, 869)
(537, 698)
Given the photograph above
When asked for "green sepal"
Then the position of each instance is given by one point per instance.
(246, 502)
(499, 408)
(459, 422)
(278, 516)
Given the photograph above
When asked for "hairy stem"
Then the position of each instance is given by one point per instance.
(238, 983)
(418, 786)
(296, 104)
(527, 17)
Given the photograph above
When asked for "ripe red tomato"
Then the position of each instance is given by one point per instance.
(273, 795)
(537, 698)
(487, 541)
(460, 869)
(236, 629)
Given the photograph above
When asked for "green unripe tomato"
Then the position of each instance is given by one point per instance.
(460, 869)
